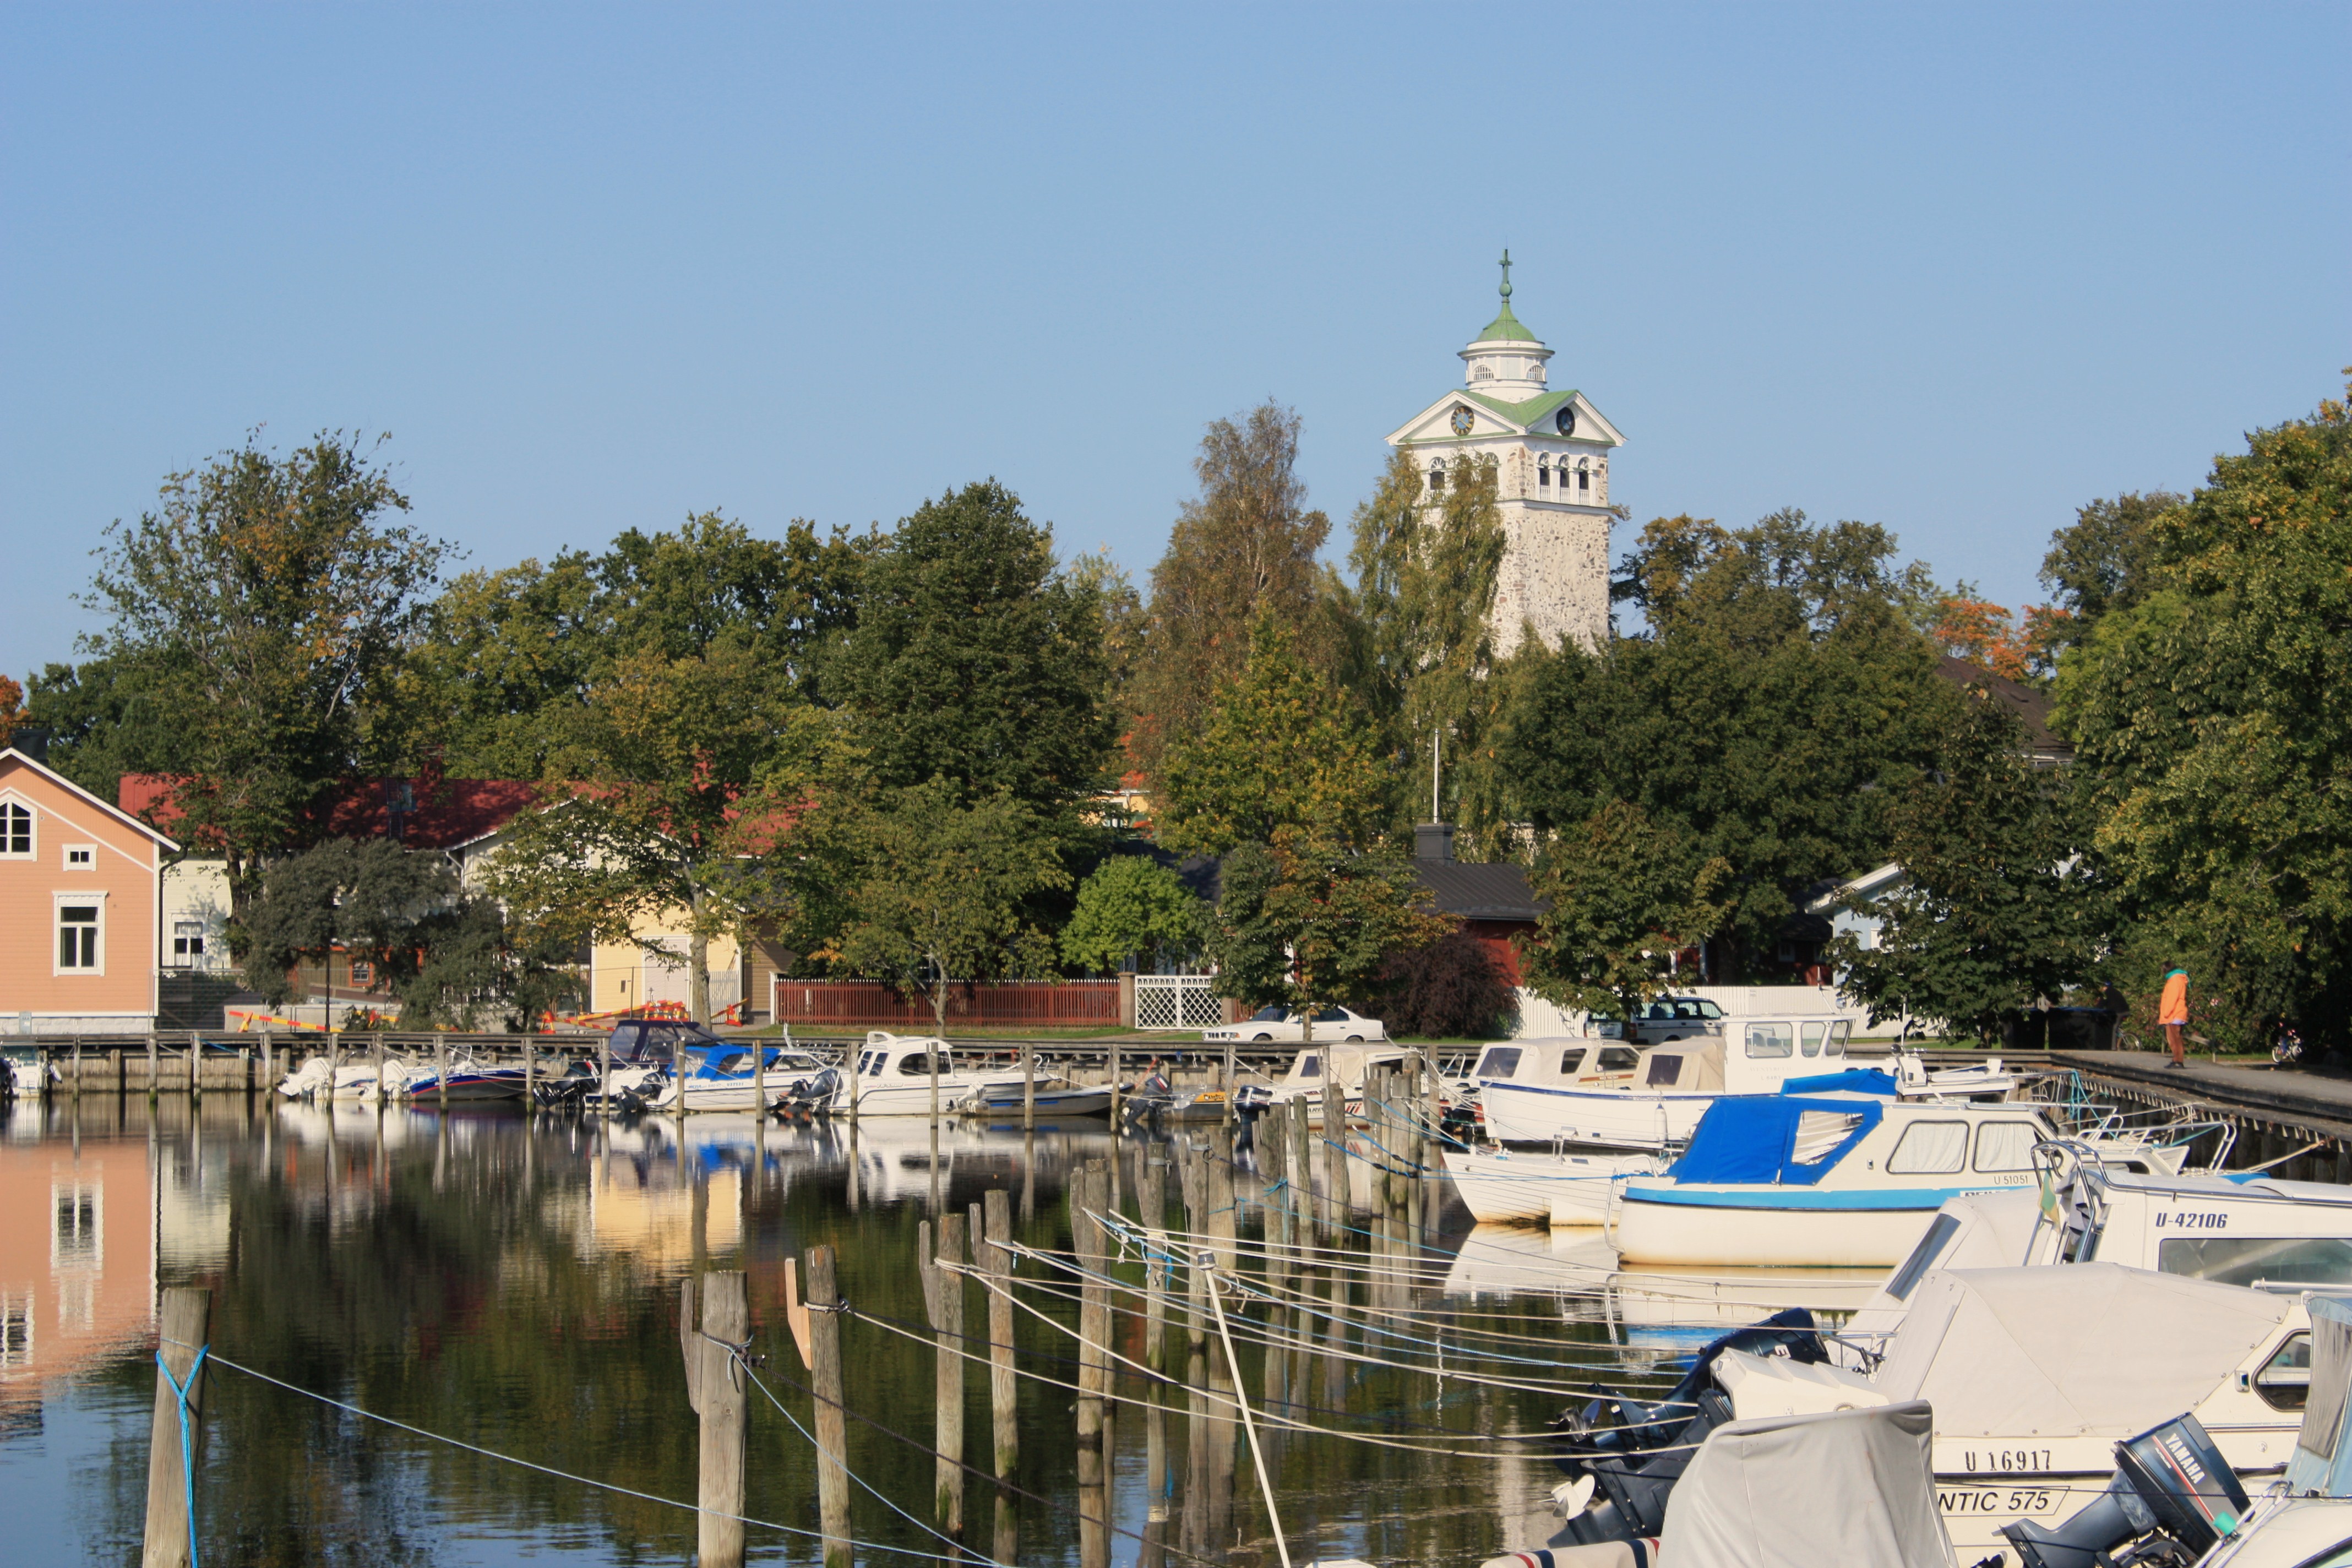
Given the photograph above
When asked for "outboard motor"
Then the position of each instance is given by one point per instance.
(1634, 1452)
(809, 1096)
(2172, 1499)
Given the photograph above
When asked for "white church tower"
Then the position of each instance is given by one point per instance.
(1552, 452)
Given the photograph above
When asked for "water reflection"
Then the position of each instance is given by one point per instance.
(514, 1283)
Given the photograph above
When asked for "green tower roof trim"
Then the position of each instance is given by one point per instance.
(1506, 329)
(1523, 413)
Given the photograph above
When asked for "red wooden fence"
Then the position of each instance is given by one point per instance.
(871, 1002)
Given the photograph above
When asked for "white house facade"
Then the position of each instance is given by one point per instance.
(1551, 449)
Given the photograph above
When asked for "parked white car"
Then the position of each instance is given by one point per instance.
(1281, 1024)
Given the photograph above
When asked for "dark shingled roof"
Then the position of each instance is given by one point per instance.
(2032, 708)
(1481, 892)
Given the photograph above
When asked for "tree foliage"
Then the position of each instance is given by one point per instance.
(2000, 905)
(934, 886)
(1779, 698)
(263, 603)
(975, 660)
(1282, 745)
(1243, 550)
(2215, 738)
(1131, 907)
(1451, 989)
(1304, 921)
(1425, 580)
(1625, 893)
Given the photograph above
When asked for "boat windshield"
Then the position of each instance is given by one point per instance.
(644, 1040)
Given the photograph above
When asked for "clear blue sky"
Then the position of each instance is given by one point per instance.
(1956, 269)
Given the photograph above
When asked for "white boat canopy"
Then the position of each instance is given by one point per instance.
(2322, 1460)
(1853, 1487)
(2093, 1349)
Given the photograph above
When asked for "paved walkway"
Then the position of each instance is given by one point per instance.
(2324, 1101)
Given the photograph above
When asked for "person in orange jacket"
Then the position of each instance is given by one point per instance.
(2172, 1010)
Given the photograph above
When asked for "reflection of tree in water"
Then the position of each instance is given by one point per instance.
(458, 1284)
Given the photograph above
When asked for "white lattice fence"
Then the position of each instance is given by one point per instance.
(1176, 1001)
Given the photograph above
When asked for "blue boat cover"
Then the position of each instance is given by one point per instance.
(1752, 1137)
(1852, 1080)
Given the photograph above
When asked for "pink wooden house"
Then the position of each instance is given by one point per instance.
(80, 903)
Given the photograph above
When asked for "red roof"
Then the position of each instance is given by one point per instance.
(427, 813)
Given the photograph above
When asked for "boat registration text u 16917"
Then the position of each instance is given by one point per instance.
(2200, 1220)
(2005, 1459)
(2008, 1503)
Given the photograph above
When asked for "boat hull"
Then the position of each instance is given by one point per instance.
(1762, 1233)
(1533, 1113)
(1079, 1101)
(913, 1098)
(1568, 1190)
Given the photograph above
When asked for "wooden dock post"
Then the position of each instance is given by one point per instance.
(760, 1078)
(1196, 1208)
(1155, 1268)
(1028, 1084)
(1302, 1169)
(529, 1099)
(943, 1294)
(1231, 1085)
(196, 1056)
(440, 1069)
(1114, 1088)
(604, 1071)
(77, 1061)
(832, 1422)
(1091, 1192)
(722, 1398)
(186, 1321)
(996, 1213)
(1335, 1156)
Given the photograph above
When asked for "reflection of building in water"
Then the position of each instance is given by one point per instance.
(647, 1209)
(76, 1259)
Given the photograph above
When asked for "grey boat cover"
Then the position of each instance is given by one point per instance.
(1802, 1491)
(2322, 1459)
(2093, 1348)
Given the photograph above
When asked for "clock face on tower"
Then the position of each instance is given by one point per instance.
(1461, 420)
(1565, 420)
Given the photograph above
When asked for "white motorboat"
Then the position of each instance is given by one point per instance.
(726, 1075)
(1499, 1186)
(1320, 1062)
(318, 1078)
(26, 1076)
(1591, 1092)
(892, 1076)
(2253, 1230)
(1835, 1180)
(2035, 1374)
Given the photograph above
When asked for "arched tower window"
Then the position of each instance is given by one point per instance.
(1483, 373)
(1583, 476)
(1436, 475)
(1543, 473)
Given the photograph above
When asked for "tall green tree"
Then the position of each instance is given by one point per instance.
(1425, 579)
(935, 887)
(1624, 894)
(1243, 550)
(2003, 902)
(265, 601)
(105, 717)
(368, 897)
(2215, 739)
(2102, 562)
(1280, 746)
(975, 658)
(1779, 698)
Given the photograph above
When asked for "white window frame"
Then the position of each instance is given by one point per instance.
(66, 853)
(58, 902)
(33, 815)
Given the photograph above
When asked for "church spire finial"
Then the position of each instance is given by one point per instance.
(1506, 278)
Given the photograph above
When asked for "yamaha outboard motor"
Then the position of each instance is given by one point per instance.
(2172, 1499)
(809, 1096)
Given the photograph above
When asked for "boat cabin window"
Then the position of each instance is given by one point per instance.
(1930, 1149)
(1808, 1036)
(1772, 1040)
(1569, 1060)
(1838, 1033)
(919, 1065)
(1922, 1257)
(1664, 1072)
(2284, 1382)
(1618, 1058)
(1500, 1061)
(2006, 1146)
(1821, 1131)
(1310, 1066)
(2314, 1262)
